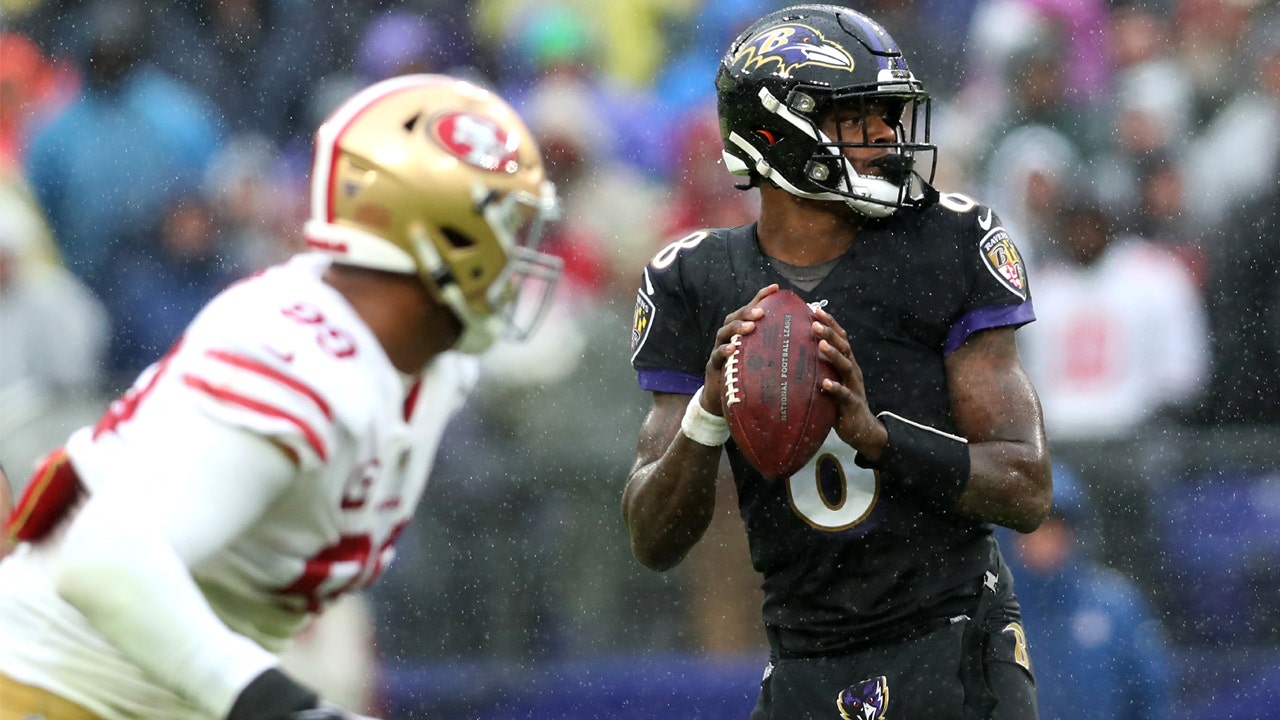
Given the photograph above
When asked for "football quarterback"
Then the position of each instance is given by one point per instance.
(884, 591)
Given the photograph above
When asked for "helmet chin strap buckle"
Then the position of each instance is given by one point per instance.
(801, 102)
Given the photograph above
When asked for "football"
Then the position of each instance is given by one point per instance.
(773, 400)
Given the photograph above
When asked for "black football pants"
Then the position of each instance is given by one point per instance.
(946, 674)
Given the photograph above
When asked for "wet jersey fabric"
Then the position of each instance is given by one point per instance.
(847, 556)
(280, 356)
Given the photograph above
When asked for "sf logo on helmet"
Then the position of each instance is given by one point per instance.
(478, 141)
(791, 46)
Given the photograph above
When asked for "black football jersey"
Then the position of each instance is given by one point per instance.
(844, 553)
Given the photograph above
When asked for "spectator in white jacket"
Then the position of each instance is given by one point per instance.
(1122, 334)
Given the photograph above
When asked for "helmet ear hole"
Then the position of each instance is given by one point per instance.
(457, 239)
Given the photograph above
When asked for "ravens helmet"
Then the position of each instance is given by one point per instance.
(788, 72)
(433, 176)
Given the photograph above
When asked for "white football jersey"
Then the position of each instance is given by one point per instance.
(283, 356)
(1115, 341)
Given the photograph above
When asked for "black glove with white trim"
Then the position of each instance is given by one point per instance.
(274, 695)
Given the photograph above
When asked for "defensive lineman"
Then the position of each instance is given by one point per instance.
(267, 463)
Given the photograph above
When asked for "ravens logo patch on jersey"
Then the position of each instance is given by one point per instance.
(1005, 262)
(641, 322)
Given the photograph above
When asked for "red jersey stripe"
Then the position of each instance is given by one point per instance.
(411, 401)
(247, 363)
(225, 395)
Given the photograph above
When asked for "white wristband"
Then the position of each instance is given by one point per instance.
(701, 426)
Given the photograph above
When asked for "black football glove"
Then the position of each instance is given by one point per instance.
(274, 695)
(325, 713)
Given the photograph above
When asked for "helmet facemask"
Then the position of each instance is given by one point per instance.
(814, 165)
(515, 302)
(897, 182)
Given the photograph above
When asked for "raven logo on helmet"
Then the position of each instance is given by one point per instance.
(791, 46)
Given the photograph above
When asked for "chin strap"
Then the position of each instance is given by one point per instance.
(871, 187)
(868, 187)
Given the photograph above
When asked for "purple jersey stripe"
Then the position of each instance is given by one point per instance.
(986, 318)
(669, 381)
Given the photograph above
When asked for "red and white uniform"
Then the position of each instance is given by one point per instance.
(265, 466)
(1116, 341)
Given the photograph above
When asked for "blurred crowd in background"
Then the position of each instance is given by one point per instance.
(152, 153)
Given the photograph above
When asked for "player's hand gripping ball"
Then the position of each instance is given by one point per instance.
(773, 399)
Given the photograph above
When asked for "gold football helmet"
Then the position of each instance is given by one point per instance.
(431, 175)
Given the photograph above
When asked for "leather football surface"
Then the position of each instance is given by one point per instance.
(778, 415)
